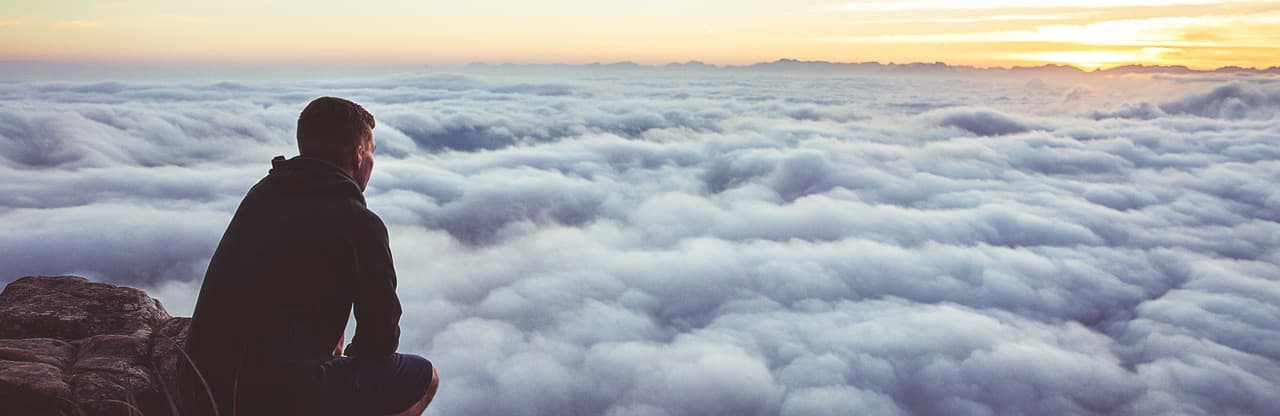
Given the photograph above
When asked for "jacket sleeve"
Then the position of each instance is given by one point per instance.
(377, 308)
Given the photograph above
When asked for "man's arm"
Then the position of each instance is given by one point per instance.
(377, 308)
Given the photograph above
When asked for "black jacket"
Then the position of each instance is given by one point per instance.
(301, 250)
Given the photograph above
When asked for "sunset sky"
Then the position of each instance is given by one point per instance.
(1084, 33)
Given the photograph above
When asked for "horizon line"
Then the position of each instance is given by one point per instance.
(694, 63)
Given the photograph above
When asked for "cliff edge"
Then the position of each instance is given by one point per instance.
(69, 346)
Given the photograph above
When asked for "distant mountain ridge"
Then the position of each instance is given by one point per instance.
(28, 70)
(874, 67)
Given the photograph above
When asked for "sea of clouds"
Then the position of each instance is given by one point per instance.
(601, 242)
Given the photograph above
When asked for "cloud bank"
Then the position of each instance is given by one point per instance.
(730, 243)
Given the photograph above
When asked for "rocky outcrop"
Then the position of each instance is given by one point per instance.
(71, 346)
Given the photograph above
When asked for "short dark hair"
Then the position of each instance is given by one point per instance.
(332, 128)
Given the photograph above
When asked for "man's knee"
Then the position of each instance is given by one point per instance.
(421, 405)
(433, 383)
(404, 380)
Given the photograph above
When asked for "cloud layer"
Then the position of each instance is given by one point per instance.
(731, 243)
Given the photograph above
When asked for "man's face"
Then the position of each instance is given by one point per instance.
(364, 160)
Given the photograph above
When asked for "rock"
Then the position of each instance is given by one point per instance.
(70, 308)
(50, 351)
(111, 367)
(33, 388)
(166, 344)
(71, 346)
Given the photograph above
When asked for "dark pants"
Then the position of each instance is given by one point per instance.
(362, 387)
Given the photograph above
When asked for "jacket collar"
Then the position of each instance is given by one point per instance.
(320, 173)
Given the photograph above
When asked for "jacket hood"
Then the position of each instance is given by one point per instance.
(308, 174)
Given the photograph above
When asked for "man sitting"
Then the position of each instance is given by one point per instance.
(300, 253)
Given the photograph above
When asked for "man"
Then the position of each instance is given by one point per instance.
(300, 253)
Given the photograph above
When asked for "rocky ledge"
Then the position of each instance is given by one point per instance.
(69, 346)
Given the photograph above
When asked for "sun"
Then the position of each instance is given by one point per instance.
(1091, 60)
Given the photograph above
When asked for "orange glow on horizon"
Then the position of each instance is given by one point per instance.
(1088, 34)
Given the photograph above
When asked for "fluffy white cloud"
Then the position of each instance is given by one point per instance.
(729, 242)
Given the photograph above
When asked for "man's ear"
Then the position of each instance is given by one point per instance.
(354, 159)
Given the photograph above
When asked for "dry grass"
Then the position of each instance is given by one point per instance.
(131, 406)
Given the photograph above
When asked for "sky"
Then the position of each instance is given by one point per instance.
(595, 241)
(1089, 34)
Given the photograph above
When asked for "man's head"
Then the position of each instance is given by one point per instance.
(340, 132)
